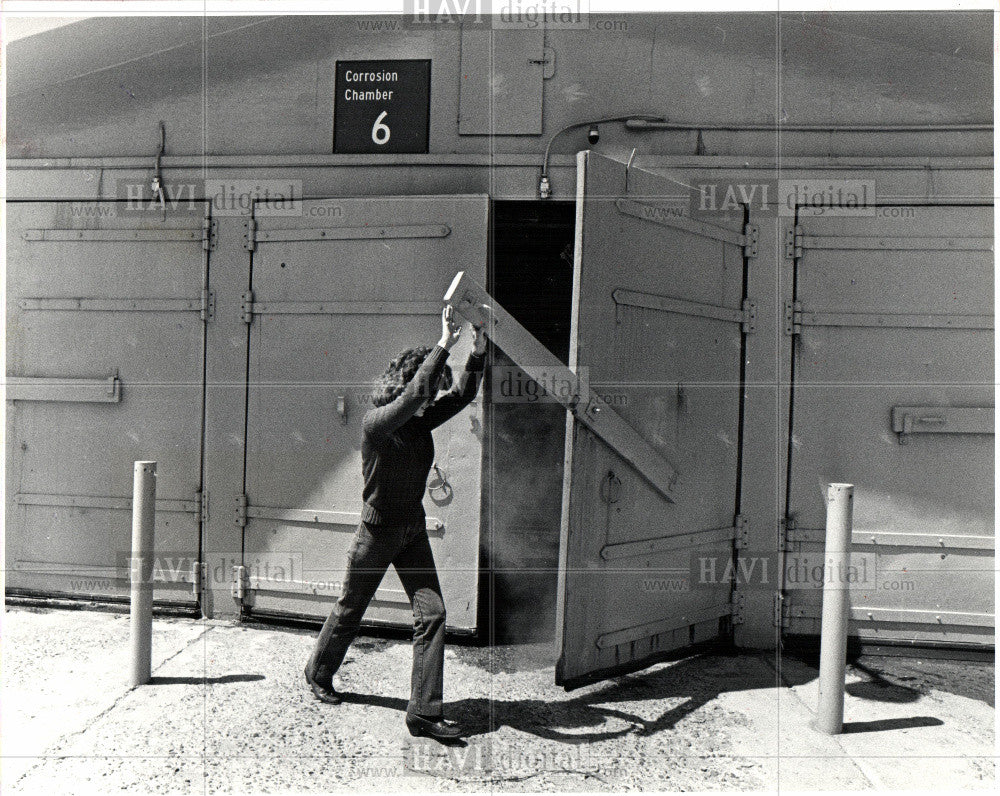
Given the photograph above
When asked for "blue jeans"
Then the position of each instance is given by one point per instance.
(408, 549)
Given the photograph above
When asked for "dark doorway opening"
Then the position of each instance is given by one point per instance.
(531, 275)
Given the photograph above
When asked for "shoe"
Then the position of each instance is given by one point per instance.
(439, 729)
(323, 693)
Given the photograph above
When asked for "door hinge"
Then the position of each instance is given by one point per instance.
(750, 232)
(736, 609)
(793, 318)
(778, 615)
(198, 577)
(793, 243)
(201, 512)
(250, 234)
(787, 524)
(742, 538)
(749, 322)
(241, 511)
(207, 304)
(209, 234)
(241, 583)
(247, 307)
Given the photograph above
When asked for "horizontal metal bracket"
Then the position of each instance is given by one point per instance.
(102, 572)
(892, 538)
(669, 216)
(96, 502)
(904, 615)
(204, 234)
(649, 629)
(908, 420)
(796, 317)
(886, 243)
(107, 390)
(316, 516)
(203, 305)
(476, 305)
(340, 308)
(322, 588)
(254, 235)
(797, 241)
(664, 544)
(746, 316)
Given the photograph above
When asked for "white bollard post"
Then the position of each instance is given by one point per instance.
(836, 608)
(141, 620)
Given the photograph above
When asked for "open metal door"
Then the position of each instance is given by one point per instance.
(658, 320)
(337, 292)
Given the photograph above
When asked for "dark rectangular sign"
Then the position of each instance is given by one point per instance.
(382, 106)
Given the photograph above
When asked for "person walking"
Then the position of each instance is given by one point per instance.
(397, 452)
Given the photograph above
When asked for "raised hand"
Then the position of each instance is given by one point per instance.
(450, 331)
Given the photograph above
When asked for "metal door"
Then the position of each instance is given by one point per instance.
(657, 330)
(106, 307)
(337, 292)
(892, 330)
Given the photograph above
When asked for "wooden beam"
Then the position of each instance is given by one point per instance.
(475, 304)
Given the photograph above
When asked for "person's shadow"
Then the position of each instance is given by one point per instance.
(689, 684)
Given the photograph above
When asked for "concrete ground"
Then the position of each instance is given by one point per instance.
(228, 712)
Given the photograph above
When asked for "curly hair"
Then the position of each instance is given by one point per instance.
(400, 372)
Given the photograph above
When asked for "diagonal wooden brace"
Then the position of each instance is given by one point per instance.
(476, 305)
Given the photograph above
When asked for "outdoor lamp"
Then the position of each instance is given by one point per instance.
(593, 135)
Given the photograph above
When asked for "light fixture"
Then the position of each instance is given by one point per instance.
(634, 122)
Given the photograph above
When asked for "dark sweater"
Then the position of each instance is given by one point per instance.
(397, 449)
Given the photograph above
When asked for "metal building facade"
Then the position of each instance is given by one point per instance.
(760, 352)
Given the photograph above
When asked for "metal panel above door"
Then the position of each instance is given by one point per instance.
(500, 91)
(657, 331)
(893, 391)
(106, 313)
(337, 293)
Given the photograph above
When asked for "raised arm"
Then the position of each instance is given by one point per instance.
(465, 389)
(382, 421)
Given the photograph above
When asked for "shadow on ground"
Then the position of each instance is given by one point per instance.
(690, 680)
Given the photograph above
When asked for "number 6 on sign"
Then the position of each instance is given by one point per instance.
(380, 132)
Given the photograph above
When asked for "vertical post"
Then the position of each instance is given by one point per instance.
(836, 608)
(141, 620)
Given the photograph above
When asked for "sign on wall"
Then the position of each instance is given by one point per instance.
(382, 106)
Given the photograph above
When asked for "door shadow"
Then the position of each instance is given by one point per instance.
(580, 719)
(686, 686)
